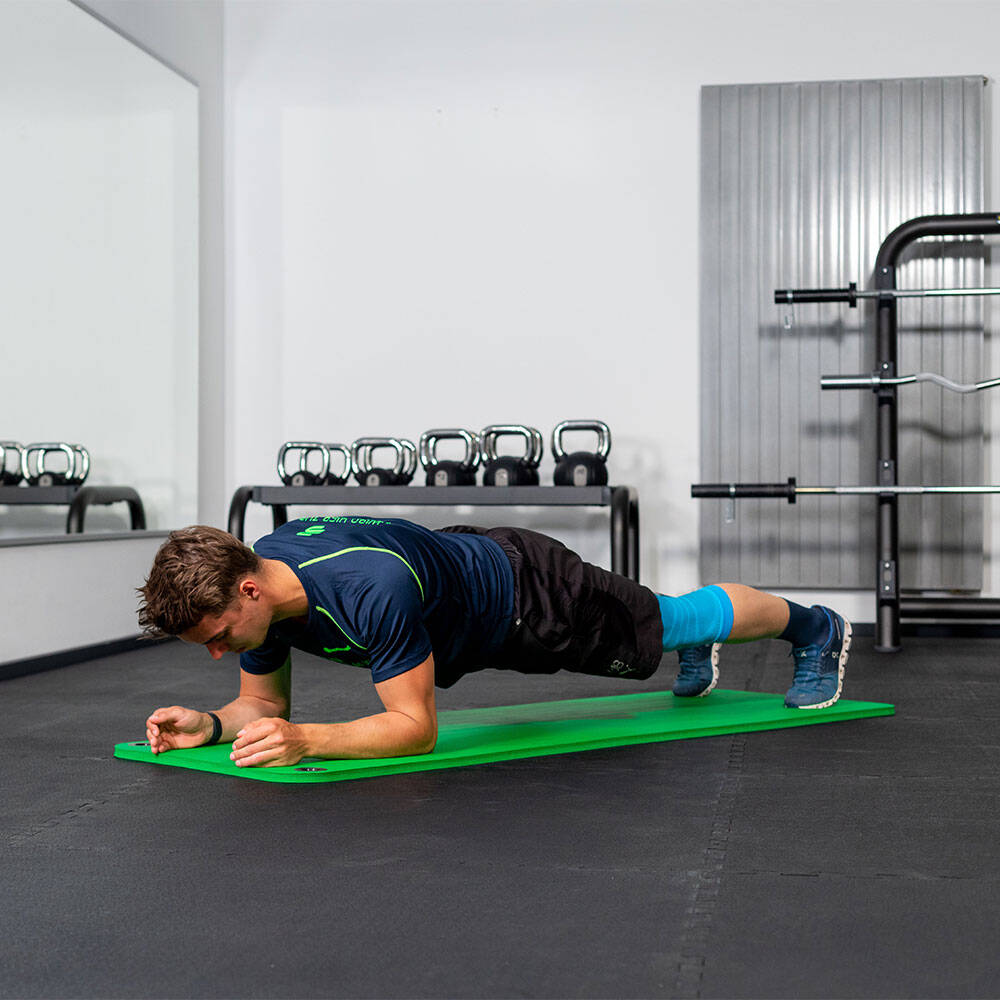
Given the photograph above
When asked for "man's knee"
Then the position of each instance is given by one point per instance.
(696, 619)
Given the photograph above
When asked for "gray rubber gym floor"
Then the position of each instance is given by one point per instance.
(853, 860)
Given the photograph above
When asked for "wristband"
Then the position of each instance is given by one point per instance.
(216, 730)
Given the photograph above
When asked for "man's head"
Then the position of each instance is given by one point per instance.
(205, 587)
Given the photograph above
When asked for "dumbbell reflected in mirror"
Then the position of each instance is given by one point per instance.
(35, 470)
(10, 463)
(446, 471)
(367, 473)
(581, 468)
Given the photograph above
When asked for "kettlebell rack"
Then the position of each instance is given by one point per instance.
(580, 478)
(579, 468)
(27, 481)
(884, 382)
(623, 502)
(78, 499)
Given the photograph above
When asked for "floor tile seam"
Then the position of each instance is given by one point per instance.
(768, 774)
(692, 944)
(970, 711)
(860, 876)
(82, 808)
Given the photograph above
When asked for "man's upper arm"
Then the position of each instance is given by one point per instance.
(390, 619)
(266, 658)
(412, 694)
(274, 688)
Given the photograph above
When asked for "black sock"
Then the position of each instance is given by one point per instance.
(806, 626)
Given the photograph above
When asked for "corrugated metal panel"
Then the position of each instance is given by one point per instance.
(801, 183)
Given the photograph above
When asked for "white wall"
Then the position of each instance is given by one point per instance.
(469, 212)
(67, 594)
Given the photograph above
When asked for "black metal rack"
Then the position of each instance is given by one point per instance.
(887, 349)
(623, 502)
(890, 606)
(78, 499)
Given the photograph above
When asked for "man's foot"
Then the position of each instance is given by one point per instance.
(819, 669)
(699, 671)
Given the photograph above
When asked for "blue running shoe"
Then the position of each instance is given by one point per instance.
(819, 670)
(699, 671)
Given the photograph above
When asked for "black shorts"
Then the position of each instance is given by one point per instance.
(572, 615)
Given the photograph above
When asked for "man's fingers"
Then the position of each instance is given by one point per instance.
(244, 738)
(258, 743)
(164, 717)
(165, 714)
(250, 745)
(262, 758)
(153, 735)
(254, 732)
(255, 754)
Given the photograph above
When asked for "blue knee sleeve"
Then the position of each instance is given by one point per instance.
(696, 619)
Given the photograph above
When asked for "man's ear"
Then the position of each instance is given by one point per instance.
(250, 588)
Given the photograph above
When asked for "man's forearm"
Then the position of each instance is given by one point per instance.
(407, 726)
(243, 710)
(389, 734)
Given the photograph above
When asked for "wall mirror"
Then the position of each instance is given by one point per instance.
(98, 263)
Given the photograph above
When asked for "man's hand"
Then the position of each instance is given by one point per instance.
(177, 728)
(261, 696)
(268, 743)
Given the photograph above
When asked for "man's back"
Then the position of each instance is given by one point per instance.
(385, 593)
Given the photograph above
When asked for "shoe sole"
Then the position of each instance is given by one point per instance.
(848, 633)
(716, 646)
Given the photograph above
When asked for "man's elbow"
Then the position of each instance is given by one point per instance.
(279, 709)
(426, 740)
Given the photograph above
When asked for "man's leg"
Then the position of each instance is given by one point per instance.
(696, 623)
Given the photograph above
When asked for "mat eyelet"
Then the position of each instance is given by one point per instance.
(310, 769)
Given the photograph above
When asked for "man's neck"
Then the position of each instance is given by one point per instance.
(288, 597)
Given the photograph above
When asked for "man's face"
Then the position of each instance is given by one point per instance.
(242, 626)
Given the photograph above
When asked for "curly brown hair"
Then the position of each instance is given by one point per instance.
(196, 572)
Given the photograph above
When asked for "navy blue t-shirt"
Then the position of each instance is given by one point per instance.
(386, 593)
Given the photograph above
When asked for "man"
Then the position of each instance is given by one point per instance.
(421, 608)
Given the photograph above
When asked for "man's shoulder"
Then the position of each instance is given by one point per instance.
(311, 537)
(347, 553)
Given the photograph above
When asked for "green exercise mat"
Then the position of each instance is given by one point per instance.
(509, 732)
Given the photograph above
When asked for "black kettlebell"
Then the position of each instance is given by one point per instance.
(581, 468)
(449, 472)
(338, 478)
(511, 470)
(368, 474)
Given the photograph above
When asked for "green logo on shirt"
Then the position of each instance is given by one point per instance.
(313, 529)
